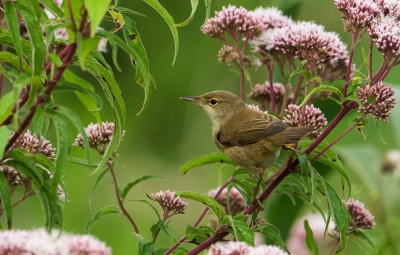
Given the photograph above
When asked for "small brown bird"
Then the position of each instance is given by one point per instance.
(250, 138)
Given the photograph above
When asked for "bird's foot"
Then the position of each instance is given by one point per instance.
(289, 147)
(258, 203)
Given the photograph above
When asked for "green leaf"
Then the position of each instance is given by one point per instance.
(170, 21)
(130, 185)
(5, 198)
(39, 159)
(215, 157)
(64, 141)
(305, 168)
(321, 88)
(145, 247)
(152, 207)
(241, 230)
(339, 213)
(208, 9)
(96, 184)
(4, 72)
(91, 101)
(52, 7)
(378, 129)
(214, 206)
(199, 234)
(106, 210)
(313, 184)
(128, 11)
(167, 231)
(272, 234)
(306, 74)
(330, 159)
(97, 10)
(113, 93)
(132, 39)
(82, 162)
(74, 118)
(85, 47)
(4, 137)
(38, 120)
(36, 38)
(12, 59)
(30, 169)
(13, 25)
(194, 4)
(94, 98)
(364, 238)
(310, 242)
(96, 54)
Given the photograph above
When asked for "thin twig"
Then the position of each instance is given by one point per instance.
(346, 84)
(271, 84)
(120, 200)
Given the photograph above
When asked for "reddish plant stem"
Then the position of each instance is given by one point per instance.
(370, 59)
(183, 238)
(298, 88)
(62, 55)
(353, 43)
(120, 200)
(40, 99)
(343, 112)
(271, 84)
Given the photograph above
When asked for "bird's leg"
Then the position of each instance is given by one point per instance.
(289, 147)
(255, 200)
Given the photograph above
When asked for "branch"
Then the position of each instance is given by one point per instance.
(120, 200)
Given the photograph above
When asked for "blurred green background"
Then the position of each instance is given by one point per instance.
(170, 132)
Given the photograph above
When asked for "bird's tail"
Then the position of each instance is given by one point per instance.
(291, 135)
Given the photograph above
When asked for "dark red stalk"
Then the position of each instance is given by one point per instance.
(353, 43)
(271, 84)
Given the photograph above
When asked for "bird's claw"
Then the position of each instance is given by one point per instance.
(258, 204)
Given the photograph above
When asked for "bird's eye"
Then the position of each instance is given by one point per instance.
(213, 101)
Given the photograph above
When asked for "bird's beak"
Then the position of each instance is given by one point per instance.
(195, 100)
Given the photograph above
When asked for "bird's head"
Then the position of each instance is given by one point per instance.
(220, 105)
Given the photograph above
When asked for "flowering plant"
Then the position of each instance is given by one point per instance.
(43, 39)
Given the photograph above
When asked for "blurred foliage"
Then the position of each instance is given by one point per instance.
(170, 132)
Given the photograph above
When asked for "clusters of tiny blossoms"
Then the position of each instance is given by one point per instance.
(98, 136)
(360, 216)
(377, 100)
(357, 14)
(170, 203)
(234, 21)
(272, 17)
(241, 248)
(261, 93)
(39, 241)
(237, 203)
(31, 143)
(313, 117)
(385, 33)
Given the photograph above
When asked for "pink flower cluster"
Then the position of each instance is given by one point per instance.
(241, 248)
(357, 14)
(234, 21)
(261, 93)
(39, 241)
(377, 100)
(360, 216)
(313, 117)
(169, 202)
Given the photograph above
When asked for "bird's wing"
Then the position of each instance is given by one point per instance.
(251, 131)
(257, 129)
